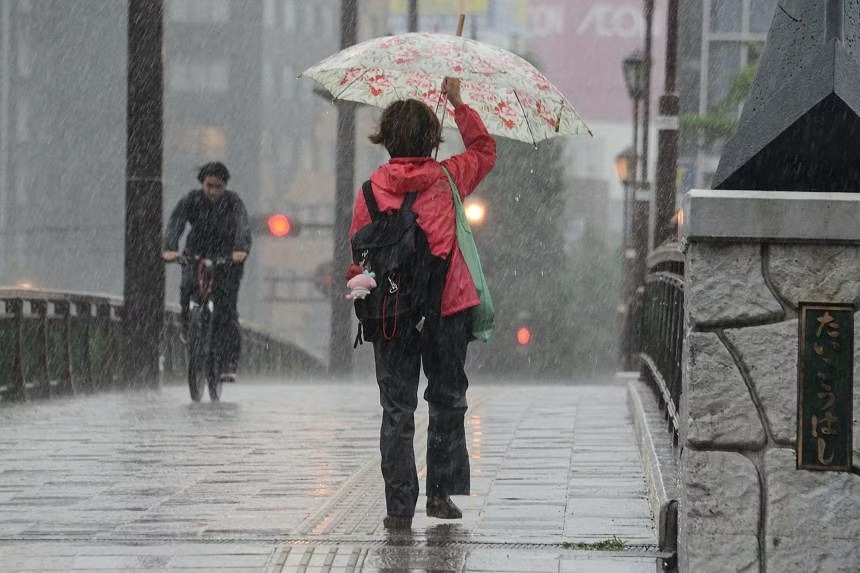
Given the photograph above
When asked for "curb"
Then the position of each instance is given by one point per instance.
(659, 461)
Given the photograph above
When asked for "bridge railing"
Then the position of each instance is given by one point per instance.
(660, 333)
(59, 343)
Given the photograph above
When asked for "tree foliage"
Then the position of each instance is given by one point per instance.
(567, 298)
(522, 251)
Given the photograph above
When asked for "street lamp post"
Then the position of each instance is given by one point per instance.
(412, 24)
(633, 68)
(646, 88)
(635, 234)
(625, 169)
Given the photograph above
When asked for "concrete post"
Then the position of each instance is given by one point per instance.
(751, 258)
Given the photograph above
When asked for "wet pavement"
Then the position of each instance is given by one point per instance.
(285, 477)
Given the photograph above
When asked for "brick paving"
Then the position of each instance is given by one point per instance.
(285, 477)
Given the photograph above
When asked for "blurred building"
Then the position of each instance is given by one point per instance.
(581, 46)
(62, 144)
(502, 23)
(717, 40)
(212, 109)
(231, 94)
(298, 161)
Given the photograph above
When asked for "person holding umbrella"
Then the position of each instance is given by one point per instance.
(410, 131)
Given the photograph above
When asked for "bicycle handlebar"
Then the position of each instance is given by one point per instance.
(191, 259)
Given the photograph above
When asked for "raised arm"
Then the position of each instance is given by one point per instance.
(469, 168)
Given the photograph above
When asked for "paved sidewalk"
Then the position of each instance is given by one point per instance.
(285, 477)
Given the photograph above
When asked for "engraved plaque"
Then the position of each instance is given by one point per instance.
(825, 386)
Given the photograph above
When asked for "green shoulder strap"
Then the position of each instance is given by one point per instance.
(483, 316)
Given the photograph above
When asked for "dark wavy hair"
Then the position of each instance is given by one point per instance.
(215, 169)
(408, 128)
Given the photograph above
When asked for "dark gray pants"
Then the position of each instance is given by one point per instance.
(442, 349)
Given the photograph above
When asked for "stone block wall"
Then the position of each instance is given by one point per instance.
(744, 506)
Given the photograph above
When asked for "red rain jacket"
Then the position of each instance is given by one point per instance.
(435, 203)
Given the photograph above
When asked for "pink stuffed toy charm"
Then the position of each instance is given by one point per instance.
(360, 286)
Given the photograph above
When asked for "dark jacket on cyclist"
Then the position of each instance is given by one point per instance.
(217, 229)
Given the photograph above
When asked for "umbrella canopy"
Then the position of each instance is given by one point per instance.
(514, 99)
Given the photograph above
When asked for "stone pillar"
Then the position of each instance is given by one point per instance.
(751, 257)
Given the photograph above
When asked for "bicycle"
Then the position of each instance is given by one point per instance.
(204, 367)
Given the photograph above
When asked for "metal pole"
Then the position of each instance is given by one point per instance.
(413, 16)
(667, 136)
(143, 312)
(646, 94)
(5, 119)
(340, 350)
(642, 198)
(630, 249)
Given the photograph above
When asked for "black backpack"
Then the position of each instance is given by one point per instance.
(409, 278)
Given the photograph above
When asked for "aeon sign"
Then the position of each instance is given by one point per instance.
(613, 21)
(603, 19)
(580, 44)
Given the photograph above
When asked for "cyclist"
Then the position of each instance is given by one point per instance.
(219, 228)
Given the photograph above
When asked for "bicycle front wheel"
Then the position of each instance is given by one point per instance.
(198, 357)
(215, 387)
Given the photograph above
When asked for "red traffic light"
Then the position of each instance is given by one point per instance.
(279, 225)
(524, 336)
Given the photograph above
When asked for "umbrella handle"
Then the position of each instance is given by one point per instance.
(444, 100)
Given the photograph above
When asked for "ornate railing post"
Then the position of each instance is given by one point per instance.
(84, 316)
(661, 329)
(39, 308)
(69, 342)
(62, 310)
(15, 308)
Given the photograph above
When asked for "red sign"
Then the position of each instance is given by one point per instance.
(581, 44)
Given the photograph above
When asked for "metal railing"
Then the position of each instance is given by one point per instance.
(61, 343)
(660, 333)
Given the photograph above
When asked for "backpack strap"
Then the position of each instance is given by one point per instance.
(370, 200)
(409, 200)
(372, 206)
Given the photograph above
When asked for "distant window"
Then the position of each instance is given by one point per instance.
(189, 76)
(326, 21)
(22, 127)
(290, 8)
(286, 152)
(307, 156)
(270, 15)
(199, 141)
(22, 197)
(310, 18)
(725, 64)
(726, 15)
(288, 86)
(198, 11)
(24, 63)
(268, 80)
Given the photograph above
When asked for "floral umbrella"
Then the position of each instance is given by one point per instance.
(513, 98)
